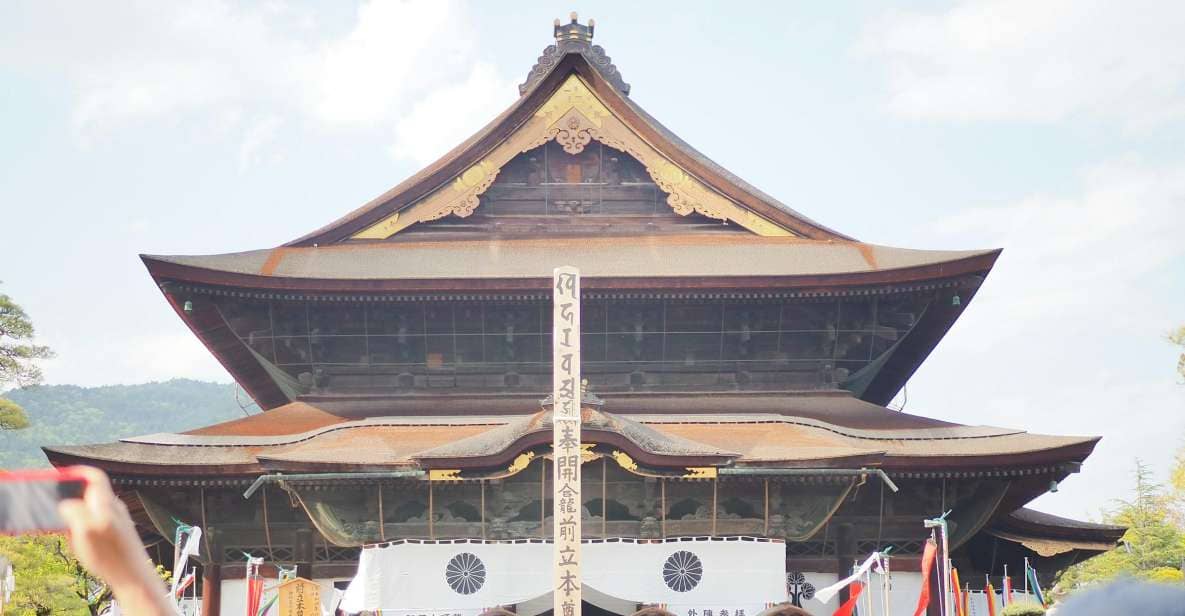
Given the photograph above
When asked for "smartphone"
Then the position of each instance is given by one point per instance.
(29, 498)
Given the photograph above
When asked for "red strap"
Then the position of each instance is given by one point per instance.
(927, 568)
(854, 590)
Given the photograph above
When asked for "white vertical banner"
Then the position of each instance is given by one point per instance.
(566, 400)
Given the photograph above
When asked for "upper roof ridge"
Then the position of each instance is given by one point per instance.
(574, 37)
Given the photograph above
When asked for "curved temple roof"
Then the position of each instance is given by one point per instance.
(651, 257)
(1049, 535)
(318, 440)
(573, 96)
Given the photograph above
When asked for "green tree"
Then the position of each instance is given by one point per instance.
(44, 583)
(50, 580)
(12, 416)
(18, 357)
(1153, 547)
(1023, 609)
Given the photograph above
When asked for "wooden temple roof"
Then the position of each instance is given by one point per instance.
(1049, 535)
(697, 258)
(403, 244)
(318, 440)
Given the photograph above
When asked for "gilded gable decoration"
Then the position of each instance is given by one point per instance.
(574, 117)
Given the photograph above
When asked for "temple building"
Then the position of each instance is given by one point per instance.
(739, 357)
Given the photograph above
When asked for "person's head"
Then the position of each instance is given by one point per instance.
(1127, 597)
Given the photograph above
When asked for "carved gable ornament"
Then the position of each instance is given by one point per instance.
(573, 117)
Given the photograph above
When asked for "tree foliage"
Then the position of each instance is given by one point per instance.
(18, 354)
(12, 416)
(1025, 608)
(45, 583)
(50, 580)
(1153, 547)
(72, 415)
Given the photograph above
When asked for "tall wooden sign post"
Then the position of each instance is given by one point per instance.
(566, 400)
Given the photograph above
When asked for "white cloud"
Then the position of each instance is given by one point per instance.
(259, 135)
(240, 71)
(1036, 61)
(395, 49)
(1066, 335)
(101, 358)
(448, 116)
(1065, 251)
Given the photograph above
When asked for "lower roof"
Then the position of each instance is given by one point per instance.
(1050, 535)
(301, 436)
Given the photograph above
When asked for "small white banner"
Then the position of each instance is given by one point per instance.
(701, 576)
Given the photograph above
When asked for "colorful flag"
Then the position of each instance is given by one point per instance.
(990, 593)
(967, 600)
(187, 542)
(184, 585)
(267, 606)
(958, 592)
(928, 556)
(1007, 594)
(853, 597)
(825, 594)
(254, 585)
(1035, 583)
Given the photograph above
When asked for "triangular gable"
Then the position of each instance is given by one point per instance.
(573, 116)
(570, 100)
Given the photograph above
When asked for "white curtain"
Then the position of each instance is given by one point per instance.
(733, 576)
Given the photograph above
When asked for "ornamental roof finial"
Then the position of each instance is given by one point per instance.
(574, 30)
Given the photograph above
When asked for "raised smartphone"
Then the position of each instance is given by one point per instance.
(29, 499)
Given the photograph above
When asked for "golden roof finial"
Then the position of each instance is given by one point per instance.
(574, 30)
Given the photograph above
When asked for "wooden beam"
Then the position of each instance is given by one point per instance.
(212, 589)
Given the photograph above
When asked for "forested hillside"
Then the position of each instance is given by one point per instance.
(68, 414)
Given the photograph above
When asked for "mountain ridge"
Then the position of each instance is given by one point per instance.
(74, 415)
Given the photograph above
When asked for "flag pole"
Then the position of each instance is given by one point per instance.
(1005, 586)
(944, 575)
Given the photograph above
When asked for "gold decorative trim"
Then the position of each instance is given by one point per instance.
(520, 463)
(700, 472)
(574, 117)
(624, 461)
(438, 474)
(587, 454)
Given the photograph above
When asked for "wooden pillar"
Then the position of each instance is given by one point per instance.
(662, 484)
(211, 589)
(845, 552)
(765, 483)
(714, 484)
(304, 553)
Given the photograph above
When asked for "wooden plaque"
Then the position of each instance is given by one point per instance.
(300, 597)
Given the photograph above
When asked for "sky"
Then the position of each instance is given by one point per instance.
(1051, 129)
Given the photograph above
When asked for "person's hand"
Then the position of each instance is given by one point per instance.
(105, 541)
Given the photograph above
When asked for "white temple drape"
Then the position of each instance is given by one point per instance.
(724, 576)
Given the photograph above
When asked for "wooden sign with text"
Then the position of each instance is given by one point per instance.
(566, 399)
(300, 597)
